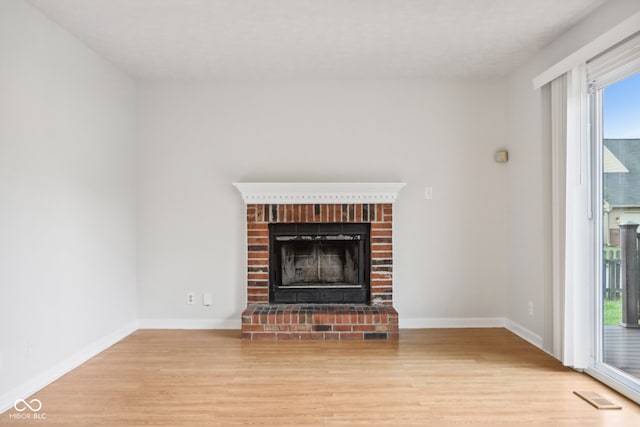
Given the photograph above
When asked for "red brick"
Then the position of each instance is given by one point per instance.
(257, 233)
(332, 318)
(252, 328)
(258, 248)
(381, 282)
(382, 247)
(312, 336)
(381, 233)
(351, 335)
(288, 336)
(381, 255)
(381, 226)
(320, 318)
(276, 328)
(261, 254)
(364, 328)
(257, 226)
(259, 240)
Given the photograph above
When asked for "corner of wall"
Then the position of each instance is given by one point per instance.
(32, 385)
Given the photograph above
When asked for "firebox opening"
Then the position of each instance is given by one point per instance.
(319, 263)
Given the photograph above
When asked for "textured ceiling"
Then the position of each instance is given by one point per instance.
(275, 39)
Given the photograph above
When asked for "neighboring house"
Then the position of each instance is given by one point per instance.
(621, 185)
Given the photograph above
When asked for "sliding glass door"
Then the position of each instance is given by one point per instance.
(616, 137)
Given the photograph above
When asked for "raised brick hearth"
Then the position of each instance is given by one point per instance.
(319, 322)
(377, 319)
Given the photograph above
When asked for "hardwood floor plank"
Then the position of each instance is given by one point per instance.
(434, 377)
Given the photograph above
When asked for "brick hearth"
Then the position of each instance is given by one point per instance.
(319, 322)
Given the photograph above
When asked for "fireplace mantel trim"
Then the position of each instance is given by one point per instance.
(318, 192)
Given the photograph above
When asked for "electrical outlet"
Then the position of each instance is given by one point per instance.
(530, 307)
(191, 298)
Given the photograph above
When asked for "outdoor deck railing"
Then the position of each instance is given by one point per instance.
(630, 274)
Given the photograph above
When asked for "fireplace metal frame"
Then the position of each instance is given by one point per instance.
(281, 233)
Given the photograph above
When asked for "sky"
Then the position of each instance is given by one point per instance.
(621, 111)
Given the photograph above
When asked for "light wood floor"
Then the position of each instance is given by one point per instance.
(431, 377)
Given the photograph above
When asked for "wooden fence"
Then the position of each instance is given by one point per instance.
(611, 274)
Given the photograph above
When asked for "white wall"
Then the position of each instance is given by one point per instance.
(529, 172)
(196, 139)
(67, 207)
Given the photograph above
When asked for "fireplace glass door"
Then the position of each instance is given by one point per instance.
(319, 263)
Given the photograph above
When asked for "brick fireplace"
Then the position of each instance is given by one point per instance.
(332, 289)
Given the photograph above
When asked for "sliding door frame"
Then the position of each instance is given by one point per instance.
(609, 375)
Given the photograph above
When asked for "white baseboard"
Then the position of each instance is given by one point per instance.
(190, 323)
(452, 322)
(7, 400)
(523, 333)
(473, 322)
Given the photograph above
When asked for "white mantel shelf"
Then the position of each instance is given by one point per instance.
(318, 192)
